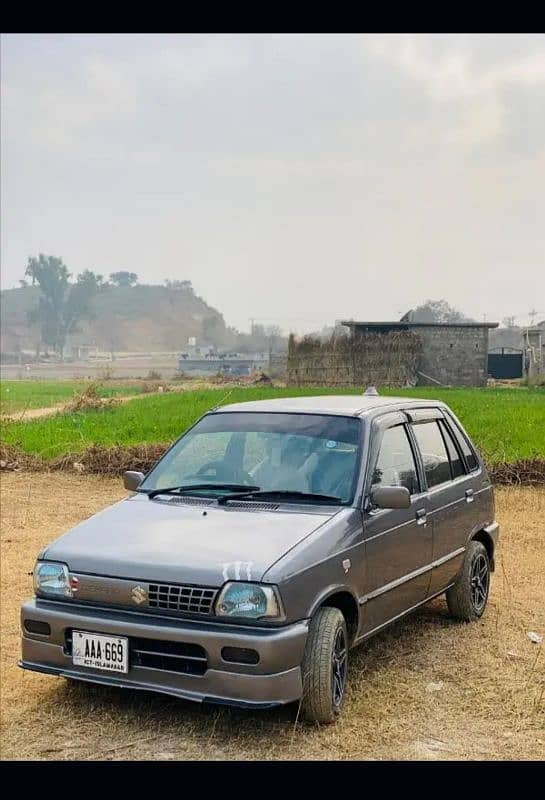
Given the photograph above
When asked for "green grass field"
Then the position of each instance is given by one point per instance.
(507, 424)
(16, 396)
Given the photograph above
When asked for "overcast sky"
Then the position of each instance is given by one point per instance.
(292, 178)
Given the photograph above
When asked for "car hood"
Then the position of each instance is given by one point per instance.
(165, 541)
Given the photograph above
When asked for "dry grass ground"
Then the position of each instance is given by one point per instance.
(428, 688)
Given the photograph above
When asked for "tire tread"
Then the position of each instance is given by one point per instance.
(316, 702)
(458, 596)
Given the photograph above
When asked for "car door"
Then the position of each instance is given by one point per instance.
(449, 493)
(398, 542)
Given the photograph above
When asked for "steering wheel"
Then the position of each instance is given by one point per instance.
(222, 472)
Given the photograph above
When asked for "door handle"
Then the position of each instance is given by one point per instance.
(469, 496)
(421, 516)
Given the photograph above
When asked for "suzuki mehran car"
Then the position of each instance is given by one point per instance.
(269, 540)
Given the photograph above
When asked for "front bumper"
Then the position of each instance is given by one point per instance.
(274, 680)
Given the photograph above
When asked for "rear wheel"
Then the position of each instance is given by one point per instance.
(467, 598)
(325, 666)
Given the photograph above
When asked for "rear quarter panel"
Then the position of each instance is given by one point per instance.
(483, 507)
(456, 517)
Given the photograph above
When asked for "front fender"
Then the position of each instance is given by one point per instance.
(330, 591)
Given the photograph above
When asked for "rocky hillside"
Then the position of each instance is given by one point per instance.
(137, 318)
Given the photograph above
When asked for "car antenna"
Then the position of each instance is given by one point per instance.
(371, 392)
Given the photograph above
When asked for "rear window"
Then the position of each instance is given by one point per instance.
(469, 454)
(434, 455)
(456, 464)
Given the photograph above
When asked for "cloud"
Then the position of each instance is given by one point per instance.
(56, 110)
(401, 166)
(288, 168)
(451, 76)
(197, 62)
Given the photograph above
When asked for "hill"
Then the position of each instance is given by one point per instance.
(137, 318)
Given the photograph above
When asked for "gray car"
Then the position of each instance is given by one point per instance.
(269, 540)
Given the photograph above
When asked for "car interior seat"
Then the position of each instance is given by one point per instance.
(333, 472)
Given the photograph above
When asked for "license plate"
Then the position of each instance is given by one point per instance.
(110, 653)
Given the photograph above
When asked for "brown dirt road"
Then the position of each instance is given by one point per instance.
(428, 688)
(194, 385)
(28, 414)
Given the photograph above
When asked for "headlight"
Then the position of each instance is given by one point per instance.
(52, 579)
(248, 600)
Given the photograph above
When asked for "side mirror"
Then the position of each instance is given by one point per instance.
(132, 480)
(391, 497)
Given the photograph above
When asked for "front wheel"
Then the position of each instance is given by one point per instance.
(325, 666)
(467, 598)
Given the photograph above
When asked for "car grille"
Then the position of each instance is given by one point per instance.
(182, 657)
(195, 599)
(189, 659)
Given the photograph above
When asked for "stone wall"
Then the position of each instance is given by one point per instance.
(374, 359)
(455, 356)
(278, 365)
(451, 356)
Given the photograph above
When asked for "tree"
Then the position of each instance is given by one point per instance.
(77, 305)
(52, 277)
(436, 311)
(123, 278)
(61, 305)
(183, 286)
(92, 279)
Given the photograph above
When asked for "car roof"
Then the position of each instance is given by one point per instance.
(351, 405)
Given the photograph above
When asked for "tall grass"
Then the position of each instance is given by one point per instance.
(507, 424)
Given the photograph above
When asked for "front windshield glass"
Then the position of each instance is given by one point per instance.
(311, 453)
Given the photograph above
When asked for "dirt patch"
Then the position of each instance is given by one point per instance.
(87, 400)
(33, 413)
(428, 688)
(90, 400)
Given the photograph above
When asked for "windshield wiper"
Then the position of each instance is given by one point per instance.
(187, 489)
(280, 493)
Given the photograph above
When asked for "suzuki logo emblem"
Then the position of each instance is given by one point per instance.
(139, 594)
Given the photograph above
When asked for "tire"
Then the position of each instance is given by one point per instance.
(467, 598)
(325, 666)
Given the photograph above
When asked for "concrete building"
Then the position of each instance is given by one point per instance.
(454, 354)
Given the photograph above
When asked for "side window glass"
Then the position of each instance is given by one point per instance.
(395, 464)
(467, 450)
(434, 455)
(456, 463)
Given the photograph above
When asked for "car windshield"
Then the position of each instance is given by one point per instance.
(301, 453)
